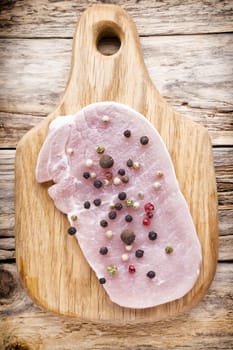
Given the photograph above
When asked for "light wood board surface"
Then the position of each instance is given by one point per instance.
(51, 265)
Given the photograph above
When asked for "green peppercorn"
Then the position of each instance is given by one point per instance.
(168, 250)
(100, 149)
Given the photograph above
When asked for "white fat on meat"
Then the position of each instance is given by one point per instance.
(170, 264)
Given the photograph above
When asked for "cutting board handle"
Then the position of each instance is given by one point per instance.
(94, 75)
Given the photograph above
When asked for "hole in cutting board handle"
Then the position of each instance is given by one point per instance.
(108, 40)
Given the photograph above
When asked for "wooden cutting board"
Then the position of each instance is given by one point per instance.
(50, 263)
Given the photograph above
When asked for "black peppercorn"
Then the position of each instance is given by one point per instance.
(87, 205)
(128, 218)
(122, 196)
(144, 140)
(86, 175)
(102, 280)
(112, 215)
(103, 250)
(127, 133)
(125, 179)
(118, 206)
(106, 161)
(151, 274)
(128, 236)
(152, 235)
(129, 163)
(97, 202)
(103, 223)
(121, 172)
(71, 230)
(139, 253)
(97, 183)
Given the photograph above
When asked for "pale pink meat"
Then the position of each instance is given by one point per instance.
(73, 140)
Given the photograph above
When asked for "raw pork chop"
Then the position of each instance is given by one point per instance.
(114, 178)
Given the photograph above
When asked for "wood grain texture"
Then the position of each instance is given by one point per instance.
(96, 77)
(207, 326)
(151, 17)
(193, 73)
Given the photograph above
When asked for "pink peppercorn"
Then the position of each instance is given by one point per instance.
(146, 221)
(131, 269)
(149, 207)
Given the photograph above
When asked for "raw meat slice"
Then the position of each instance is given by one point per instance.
(114, 178)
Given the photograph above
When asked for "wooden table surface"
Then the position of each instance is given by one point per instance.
(188, 50)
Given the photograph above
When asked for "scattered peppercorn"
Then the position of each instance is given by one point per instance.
(116, 181)
(131, 268)
(152, 235)
(97, 202)
(100, 149)
(129, 203)
(103, 223)
(86, 175)
(121, 172)
(127, 133)
(71, 230)
(103, 250)
(144, 140)
(125, 179)
(109, 234)
(102, 280)
(129, 163)
(106, 161)
(168, 250)
(122, 196)
(151, 274)
(112, 269)
(89, 163)
(146, 221)
(156, 185)
(74, 217)
(105, 118)
(128, 218)
(118, 206)
(97, 183)
(128, 236)
(112, 215)
(149, 207)
(149, 215)
(87, 205)
(139, 253)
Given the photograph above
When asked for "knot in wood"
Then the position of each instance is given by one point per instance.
(18, 345)
(7, 284)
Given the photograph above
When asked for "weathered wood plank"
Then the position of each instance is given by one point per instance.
(14, 126)
(7, 248)
(225, 220)
(58, 18)
(206, 326)
(192, 72)
(225, 248)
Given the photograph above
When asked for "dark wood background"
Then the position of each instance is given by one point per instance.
(188, 50)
